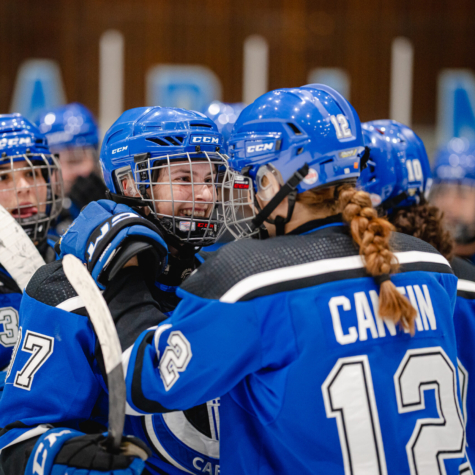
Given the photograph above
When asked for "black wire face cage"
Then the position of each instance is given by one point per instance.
(238, 205)
(185, 192)
(31, 190)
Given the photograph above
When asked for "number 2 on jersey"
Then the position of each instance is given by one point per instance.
(349, 398)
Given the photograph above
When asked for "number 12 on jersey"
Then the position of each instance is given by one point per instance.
(349, 397)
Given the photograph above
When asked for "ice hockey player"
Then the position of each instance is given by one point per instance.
(398, 179)
(72, 133)
(164, 163)
(453, 192)
(30, 190)
(311, 337)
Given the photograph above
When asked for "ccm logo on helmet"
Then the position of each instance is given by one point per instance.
(120, 149)
(15, 141)
(208, 139)
(263, 147)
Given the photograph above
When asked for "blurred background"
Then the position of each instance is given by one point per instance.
(411, 60)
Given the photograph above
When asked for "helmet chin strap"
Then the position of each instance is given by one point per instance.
(288, 190)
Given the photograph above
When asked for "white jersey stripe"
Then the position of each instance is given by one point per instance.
(41, 429)
(71, 304)
(466, 285)
(325, 266)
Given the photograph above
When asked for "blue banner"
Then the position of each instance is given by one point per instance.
(38, 86)
(456, 112)
(189, 87)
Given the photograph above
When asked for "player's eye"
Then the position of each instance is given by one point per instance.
(183, 179)
(5, 177)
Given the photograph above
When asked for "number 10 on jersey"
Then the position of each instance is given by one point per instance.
(349, 397)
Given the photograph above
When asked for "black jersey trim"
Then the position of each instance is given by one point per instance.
(334, 277)
(319, 272)
(138, 398)
(466, 289)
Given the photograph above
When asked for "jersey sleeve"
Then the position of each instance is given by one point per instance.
(9, 312)
(205, 349)
(52, 377)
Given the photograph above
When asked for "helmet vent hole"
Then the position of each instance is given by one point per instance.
(172, 140)
(159, 141)
(294, 128)
(200, 124)
(299, 150)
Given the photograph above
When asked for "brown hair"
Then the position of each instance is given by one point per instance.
(371, 233)
(425, 222)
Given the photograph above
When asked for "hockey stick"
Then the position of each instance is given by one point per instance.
(18, 254)
(106, 332)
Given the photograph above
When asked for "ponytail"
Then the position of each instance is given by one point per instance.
(372, 236)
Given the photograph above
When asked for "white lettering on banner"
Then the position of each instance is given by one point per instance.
(260, 148)
(209, 139)
(369, 323)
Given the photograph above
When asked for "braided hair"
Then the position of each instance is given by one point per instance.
(371, 233)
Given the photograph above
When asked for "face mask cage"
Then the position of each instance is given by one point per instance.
(31, 190)
(238, 205)
(184, 192)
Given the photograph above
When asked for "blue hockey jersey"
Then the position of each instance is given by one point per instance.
(312, 381)
(10, 299)
(464, 319)
(57, 376)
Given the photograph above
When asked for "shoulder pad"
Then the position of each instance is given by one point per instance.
(49, 285)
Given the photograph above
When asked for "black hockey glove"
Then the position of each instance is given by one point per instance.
(87, 189)
(65, 451)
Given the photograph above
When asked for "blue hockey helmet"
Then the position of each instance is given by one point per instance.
(30, 177)
(69, 126)
(398, 170)
(307, 137)
(144, 147)
(454, 187)
(224, 115)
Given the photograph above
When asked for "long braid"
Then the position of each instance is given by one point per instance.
(372, 236)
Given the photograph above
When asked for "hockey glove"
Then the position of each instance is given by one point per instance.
(87, 189)
(66, 451)
(106, 235)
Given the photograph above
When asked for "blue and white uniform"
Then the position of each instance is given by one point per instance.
(310, 379)
(10, 299)
(55, 318)
(464, 320)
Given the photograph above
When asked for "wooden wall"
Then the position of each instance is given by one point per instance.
(302, 34)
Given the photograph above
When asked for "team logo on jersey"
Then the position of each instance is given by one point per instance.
(258, 147)
(205, 139)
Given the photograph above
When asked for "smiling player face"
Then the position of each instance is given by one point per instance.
(174, 195)
(23, 189)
